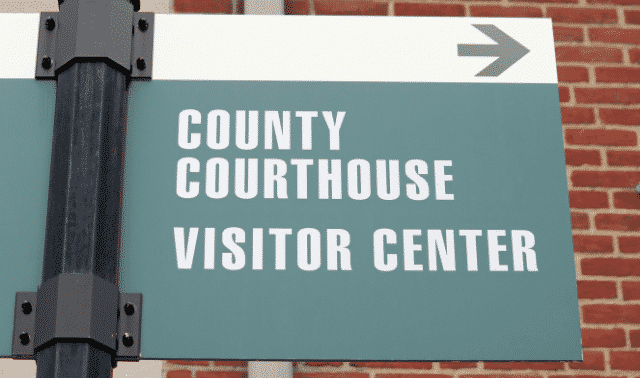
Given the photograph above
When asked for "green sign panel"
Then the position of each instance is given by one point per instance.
(304, 215)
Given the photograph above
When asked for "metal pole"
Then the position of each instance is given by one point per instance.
(80, 264)
(264, 7)
(83, 213)
(267, 369)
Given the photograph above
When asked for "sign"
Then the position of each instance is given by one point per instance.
(328, 188)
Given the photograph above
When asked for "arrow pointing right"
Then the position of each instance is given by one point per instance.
(508, 50)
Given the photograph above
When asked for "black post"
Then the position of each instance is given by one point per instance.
(78, 324)
(88, 47)
(83, 214)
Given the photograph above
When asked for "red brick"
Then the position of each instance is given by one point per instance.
(583, 15)
(549, 1)
(518, 375)
(399, 375)
(579, 221)
(626, 200)
(623, 360)
(616, 267)
(605, 313)
(392, 365)
(607, 95)
(600, 137)
(630, 290)
(323, 363)
(573, 74)
(617, 75)
(588, 54)
(179, 374)
(296, 7)
(203, 6)
(588, 200)
(357, 8)
(332, 375)
(634, 55)
(457, 365)
(591, 361)
(565, 34)
(563, 93)
(499, 11)
(617, 222)
(634, 338)
(221, 374)
(576, 115)
(603, 338)
(629, 244)
(231, 363)
(605, 179)
(632, 17)
(615, 35)
(620, 116)
(581, 157)
(596, 290)
(417, 9)
(622, 158)
(187, 362)
(524, 365)
(592, 243)
(614, 2)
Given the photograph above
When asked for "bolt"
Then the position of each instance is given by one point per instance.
(26, 308)
(50, 24)
(128, 309)
(127, 340)
(143, 24)
(24, 338)
(46, 62)
(141, 64)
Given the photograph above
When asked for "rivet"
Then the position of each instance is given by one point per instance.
(127, 340)
(143, 24)
(140, 63)
(26, 308)
(46, 62)
(129, 309)
(50, 24)
(24, 338)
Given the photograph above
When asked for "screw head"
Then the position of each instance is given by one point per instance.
(140, 64)
(127, 340)
(143, 24)
(129, 309)
(50, 24)
(47, 62)
(24, 338)
(26, 308)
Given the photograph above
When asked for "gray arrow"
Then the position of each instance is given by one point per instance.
(508, 50)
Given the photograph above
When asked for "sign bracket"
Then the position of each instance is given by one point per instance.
(58, 46)
(28, 337)
(78, 316)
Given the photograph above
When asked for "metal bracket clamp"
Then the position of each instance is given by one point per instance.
(129, 327)
(77, 306)
(84, 33)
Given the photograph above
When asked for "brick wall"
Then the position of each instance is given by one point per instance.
(598, 55)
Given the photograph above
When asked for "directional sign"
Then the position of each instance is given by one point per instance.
(328, 188)
(507, 50)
